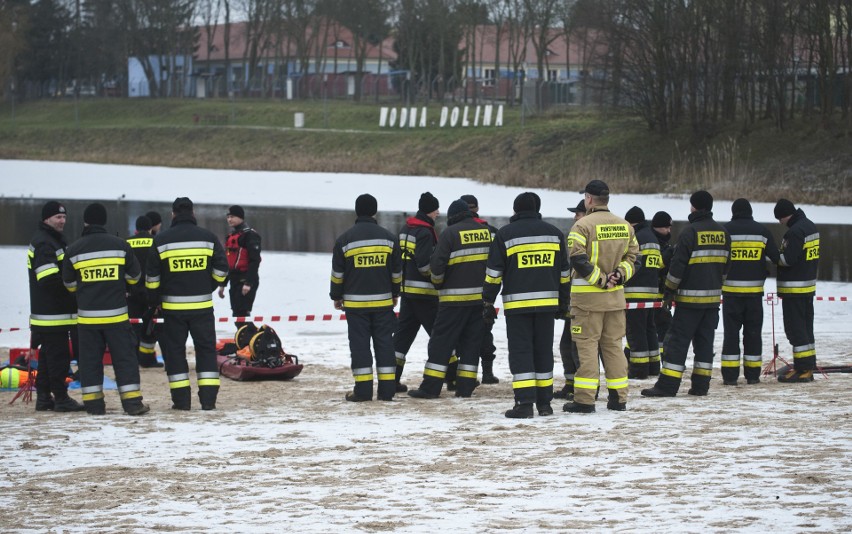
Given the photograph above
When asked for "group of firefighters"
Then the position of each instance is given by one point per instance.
(610, 277)
(83, 295)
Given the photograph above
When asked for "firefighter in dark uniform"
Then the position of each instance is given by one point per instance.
(53, 311)
(528, 258)
(242, 247)
(137, 301)
(366, 271)
(185, 266)
(753, 250)
(98, 267)
(603, 252)
(419, 304)
(567, 347)
(458, 270)
(156, 223)
(487, 351)
(661, 225)
(642, 287)
(798, 267)
(696, 274)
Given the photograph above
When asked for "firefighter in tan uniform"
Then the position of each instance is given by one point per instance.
(603, 251)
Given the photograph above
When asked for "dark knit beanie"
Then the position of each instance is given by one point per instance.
(537, 201)
(51, 208)
(581, 207)
(366, 205)
(635, 215)
(741, 207)
(428, 203)
(155, 218)
(524, 202)
(95, 214)
(661, 220)
(456, 208)
(472, 203)
(701, 200)
(182, 205)
(143, 223)
(597, 188)
(784, 208)
(237, 211)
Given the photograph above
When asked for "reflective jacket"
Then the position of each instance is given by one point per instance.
(141, 243)
(458, 264)
(98, 267)
(700, 262)
(599, 244)
(529, 259)
(366, 267)
(243, 249)
(52, 308)
(753, 250)
(417, 241)
(186, 264)
(644, 285)
(799, 262)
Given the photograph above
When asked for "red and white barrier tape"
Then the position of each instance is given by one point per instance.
(770, 298)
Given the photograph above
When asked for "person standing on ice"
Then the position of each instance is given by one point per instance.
(242, 247)
(366, 271)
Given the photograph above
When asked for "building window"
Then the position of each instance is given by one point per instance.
(489, 76)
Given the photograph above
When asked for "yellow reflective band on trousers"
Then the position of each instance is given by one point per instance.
(671, 372)
(130, 395)
(177, 384)
(616, 383)
(466, 374)
(523, 384)
(701, 372)
(538, 383)
(43, 321)
(433, 373)
(208, 382)
(364, 304)
(93, 396)
(585, 383)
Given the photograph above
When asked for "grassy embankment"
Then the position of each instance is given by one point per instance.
(562, 149)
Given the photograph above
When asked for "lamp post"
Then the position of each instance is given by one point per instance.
(12, 73)
(325, 100)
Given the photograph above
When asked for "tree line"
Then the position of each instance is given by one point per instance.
(696, 63)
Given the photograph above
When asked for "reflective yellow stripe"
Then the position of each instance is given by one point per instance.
(55, 322)
(93, 396)
(523, 384)
(644, 296)
(531, 247)
(538, 383)
(708, 259)
(186, 252)
(387, 376)
(530, 303)
(715, 299)
(466, 259)
(364, 304)
(179, 384)
(187, 305)
(737, 289)
(593, 289)
(794, 290)
(752, 364)
(98, 261)
(671, 372)
(702, 372)
(460, 298)
(805, 354)
(419, 290)
(368, 250)
(146, 350)
(336, 280)
(432, 372)
(47, 272)
(732, 363)
(152, 285)
(130, 395)
(466, 374)
(365, 378)
(219, 278)
(208, 382)
(492, 280)
(103, 320)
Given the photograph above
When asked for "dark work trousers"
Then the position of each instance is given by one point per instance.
(530, 337)
(413, 313)
(145, 344)
(662, 321)
(799, 327)
(202, 328)
(689, 325)
(378, 327)
(487, 350)
(570, 356)
(642, 340)
(93, 343)
(459, 329)
(744, 313)
(241, 305)
(54, 362)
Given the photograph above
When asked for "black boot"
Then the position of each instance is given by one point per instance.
(44, 402)
(700, 385)
(401, 388)
(544, 408)
(488, 373)
(67, 405)
(656, 392)
(352, 397)
(613, 402)
(520, 411)
(136, 408)
(421, 394)
(567, 392)
(181, 399)
(576, 407)
(95, 407)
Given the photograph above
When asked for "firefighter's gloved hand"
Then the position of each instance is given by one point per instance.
(489, 314)
(668, 298)
(615, 278)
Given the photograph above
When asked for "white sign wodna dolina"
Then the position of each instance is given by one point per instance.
(486, 115)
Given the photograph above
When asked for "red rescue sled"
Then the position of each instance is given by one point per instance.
(256, 354)
(237, 368)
